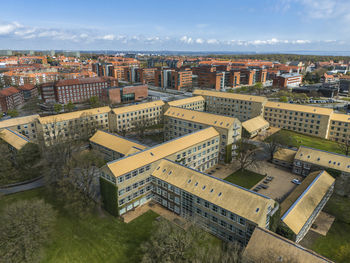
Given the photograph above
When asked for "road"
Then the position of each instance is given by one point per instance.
(24, 187)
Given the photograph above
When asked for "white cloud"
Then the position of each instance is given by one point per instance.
(199, 41)
(186, 40)
(108, 37)
(327, 9)
(212, 41)
(6, 29)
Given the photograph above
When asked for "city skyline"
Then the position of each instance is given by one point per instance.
(261, 26)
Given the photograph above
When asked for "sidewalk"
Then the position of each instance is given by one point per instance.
(23, 187)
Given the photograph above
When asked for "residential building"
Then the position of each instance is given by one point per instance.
(223, 209)
(132, 174)
(267, 246)
(29, 91)
(13, 139)
(144, 114)
(125, 94)
(339, 130)
(147, 76)
(173, 79)
(76, 90)
(243, 107)
(303, 119)
(23, 125)
(300, 209)
(113, 146)
(255, 126)
(288, 80)
(73, 125)
(284, 157)
(193, 103)
(179, 121)
(308, 160)
(10, 98)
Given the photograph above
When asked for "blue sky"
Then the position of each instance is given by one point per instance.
(192, 25)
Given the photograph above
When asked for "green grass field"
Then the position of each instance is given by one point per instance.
(336, 244)
(244, 178)
(94, 238)
(298, 139)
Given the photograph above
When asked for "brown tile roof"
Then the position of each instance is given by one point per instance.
(26, 87)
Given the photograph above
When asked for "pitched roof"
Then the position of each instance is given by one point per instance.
(340, 117)
(233, 198)
(270, 246)
(18, 121)
(116, 142)
(284, 154)
(14, 138)
(228, 95)
(201, 117)
(140, 106)
(73, 115)
(297, 208)
(177, 103)
(26, 87)
(8, 91)
(301, 108)
(255, 124)
(324, 159)
(150, 155)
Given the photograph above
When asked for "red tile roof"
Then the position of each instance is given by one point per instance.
(8, 91)
(26, 87)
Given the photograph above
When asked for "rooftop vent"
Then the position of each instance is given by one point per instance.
(189, 181)
(257, 210)
(203, 187)
(220, 194)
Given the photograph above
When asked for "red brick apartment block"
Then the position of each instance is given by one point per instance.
(10, 98)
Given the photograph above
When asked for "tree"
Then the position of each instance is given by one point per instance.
(94, 102)
(57, 108)
(274, 142)
(283, 99)
(25, 227)
(69, 106)
(345, 146)
(12, 113)
(27, 159)
(78, 187)
(258, 87)
(141, 125)
(246, 154)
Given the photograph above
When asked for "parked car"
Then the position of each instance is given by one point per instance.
(296, 181)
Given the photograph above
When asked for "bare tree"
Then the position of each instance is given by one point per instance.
(274, 142)
(345, 146)
(25, 227)
(246, 154)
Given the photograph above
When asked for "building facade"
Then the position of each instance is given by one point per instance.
(242, 107)
(144, 114)
(10, 98)
(76, 90)
(179, 121)
(125, 94)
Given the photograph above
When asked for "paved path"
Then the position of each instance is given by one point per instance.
(24, 187)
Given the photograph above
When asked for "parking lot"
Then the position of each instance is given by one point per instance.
(281, 184)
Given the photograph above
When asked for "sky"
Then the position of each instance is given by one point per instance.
(192, 25)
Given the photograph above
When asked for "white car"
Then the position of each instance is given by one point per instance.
(296, 181)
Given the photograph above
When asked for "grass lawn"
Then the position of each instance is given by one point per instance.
(336, 244)
(244, 178)
(298, 139)
(94, 238)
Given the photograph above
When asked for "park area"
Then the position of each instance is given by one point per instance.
(297, 139)
(96, 237)
(336, 244)
(244, 178)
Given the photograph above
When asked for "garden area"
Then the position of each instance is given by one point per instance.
(244, 178)
(97, 237)
(336, 244)
(297, 139)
